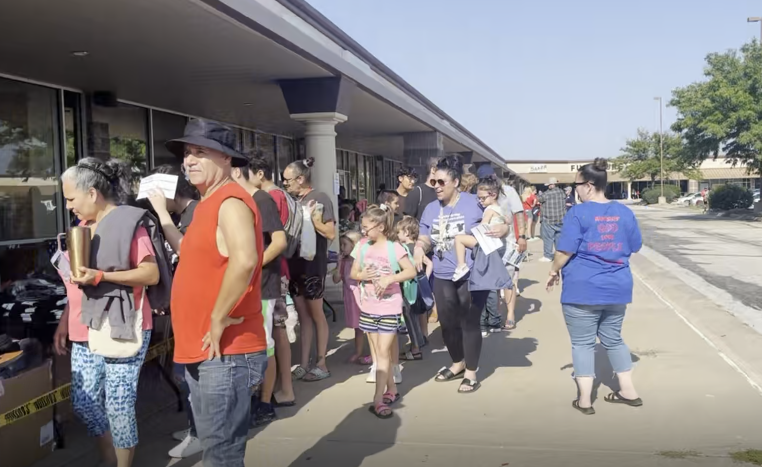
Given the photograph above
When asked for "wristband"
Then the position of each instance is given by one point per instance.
(98, 278)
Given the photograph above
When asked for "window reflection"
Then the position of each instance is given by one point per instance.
(166, 126)
(121, 132)
(28, 148)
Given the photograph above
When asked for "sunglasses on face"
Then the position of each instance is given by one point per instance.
(439, 182)
(576, 184)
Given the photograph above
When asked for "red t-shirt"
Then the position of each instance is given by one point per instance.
(197, 282)
(280, 201)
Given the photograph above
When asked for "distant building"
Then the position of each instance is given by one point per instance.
(713, 172)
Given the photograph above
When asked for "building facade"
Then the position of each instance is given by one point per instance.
(291, 83)
(712, 172)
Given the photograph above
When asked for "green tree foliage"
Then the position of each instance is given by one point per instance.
(641, 157)
(724, 113)
(31, 156)
(727, 197)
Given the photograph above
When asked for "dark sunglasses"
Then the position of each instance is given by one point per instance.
(439, 182)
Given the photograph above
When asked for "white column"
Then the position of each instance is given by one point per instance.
(629, 190)
(320, 143)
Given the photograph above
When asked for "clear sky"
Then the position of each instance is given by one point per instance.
(548, 79)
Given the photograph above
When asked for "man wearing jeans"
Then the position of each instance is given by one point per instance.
(216, 295)
(553, 210)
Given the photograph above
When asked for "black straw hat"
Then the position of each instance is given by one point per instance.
(208, 134)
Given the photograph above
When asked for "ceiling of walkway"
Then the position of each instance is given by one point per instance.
(173, 54)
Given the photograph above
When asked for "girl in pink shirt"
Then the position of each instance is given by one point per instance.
(379, 297)
(351, 310)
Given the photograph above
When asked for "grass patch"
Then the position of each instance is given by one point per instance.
(679, 454)
(750, 456)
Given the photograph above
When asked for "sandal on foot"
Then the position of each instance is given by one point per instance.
(616, 398)
(584, 410)
(381, 411)
(298, 373)
(390, 398)
(445, 375)
(366, 360)
(411, 356)
(316, 374)
(474, 385)
(274, 402)
(509, 325)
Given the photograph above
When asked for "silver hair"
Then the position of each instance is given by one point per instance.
(110, 178)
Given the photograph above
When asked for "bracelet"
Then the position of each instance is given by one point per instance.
(98, 278)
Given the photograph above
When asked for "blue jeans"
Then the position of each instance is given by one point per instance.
(585, 323)
(185, 394)
(221, 398)
(550, 234)
(492, 316)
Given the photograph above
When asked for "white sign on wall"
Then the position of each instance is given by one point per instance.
(538, 169)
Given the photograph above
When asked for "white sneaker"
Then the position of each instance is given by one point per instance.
(372, 375)
(533, 239)
(397, 374)
(188, 447)
(291, 322)
(460, 271)
(545, 260)
(485, 333)
(181, 435)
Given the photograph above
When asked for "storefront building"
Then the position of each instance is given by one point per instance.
(712, 172)
(126, 81)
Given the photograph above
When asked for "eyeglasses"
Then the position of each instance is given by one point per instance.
(576, 184)
(482, 198)
(439, 182)
(366, 232)
(286, 181)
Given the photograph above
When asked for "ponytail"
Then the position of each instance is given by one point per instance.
(383, 215)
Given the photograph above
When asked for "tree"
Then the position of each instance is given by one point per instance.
(724, 113)
(641, 157)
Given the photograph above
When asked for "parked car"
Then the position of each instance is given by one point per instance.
(683, 200)
(696, 199)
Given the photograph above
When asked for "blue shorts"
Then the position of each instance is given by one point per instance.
(382, 324)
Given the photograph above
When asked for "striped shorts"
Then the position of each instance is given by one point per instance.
(382, 324)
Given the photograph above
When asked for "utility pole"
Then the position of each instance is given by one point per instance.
(662, 198)
(756, 19)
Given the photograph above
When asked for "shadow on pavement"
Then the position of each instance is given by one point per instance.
(604, 373)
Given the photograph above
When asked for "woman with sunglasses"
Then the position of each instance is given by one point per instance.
(308, 277)
(597, 239)
(454, 213)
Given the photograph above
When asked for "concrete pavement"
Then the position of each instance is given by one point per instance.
(695, 399)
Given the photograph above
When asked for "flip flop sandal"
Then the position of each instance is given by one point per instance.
(298, 373)
(316, 374)
(381, 411)
(366, 360)
(390, 398)
(584, 410)
(509, 325)
(474, 385)
(616, 398)
(411, 356)
(444, 375)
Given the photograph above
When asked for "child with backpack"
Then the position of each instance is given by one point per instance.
(381, 266)
(416, 311)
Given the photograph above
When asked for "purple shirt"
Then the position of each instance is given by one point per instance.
(458, 220)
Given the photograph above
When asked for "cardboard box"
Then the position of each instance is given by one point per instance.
(28, 439)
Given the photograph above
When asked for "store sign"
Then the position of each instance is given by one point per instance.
(538, 169)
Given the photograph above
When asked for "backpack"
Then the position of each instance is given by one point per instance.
(159, 295)
(293, 227)
(410, 287)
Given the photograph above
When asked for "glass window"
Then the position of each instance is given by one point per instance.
(120, 132)
(266, 145)
(353, 170)
(166, 127)
(28, 151)
(72, 121)
(285, 155)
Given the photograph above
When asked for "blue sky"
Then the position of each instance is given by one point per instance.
(548, 79)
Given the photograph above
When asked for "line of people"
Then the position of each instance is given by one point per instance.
(236, 274)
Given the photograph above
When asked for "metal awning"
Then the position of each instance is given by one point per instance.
(732, 173)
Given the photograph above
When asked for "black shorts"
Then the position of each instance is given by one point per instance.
(309, 287)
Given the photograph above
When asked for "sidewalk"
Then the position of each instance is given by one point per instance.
(522, 416)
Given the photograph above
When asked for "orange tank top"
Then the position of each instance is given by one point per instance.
(197, 283)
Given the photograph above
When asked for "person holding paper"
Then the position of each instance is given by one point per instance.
(487, 191)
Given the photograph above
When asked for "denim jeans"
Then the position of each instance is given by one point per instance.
(585, 323)
(492, 316)
(550, 234)
(179, 373)
(221, 399)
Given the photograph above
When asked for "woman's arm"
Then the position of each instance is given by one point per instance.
(62, 333)
(145, 275)
(488, 215)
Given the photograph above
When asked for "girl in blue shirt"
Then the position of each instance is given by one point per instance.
(593, 254)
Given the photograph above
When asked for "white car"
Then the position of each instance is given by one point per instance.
(684, 199)
(695, 200)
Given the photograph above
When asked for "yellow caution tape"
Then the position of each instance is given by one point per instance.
(63, 393)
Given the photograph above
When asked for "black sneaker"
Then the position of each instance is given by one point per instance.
(264, 415)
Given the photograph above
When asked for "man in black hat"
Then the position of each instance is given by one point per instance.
(216, 294)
